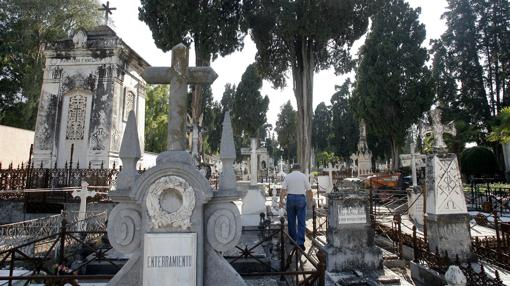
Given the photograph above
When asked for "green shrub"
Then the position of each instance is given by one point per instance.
(478, 162)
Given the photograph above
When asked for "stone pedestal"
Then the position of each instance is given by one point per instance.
(254, 203)
(447, 217)
(350, 240)
(450, 233)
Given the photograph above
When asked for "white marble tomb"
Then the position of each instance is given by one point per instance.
(91, 81)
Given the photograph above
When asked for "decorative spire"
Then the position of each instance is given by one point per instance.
(227, 156)
(129, 153)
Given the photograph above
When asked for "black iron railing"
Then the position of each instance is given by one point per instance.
(46, 258)
(291, 268)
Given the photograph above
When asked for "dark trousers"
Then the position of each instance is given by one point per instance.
(296, 210)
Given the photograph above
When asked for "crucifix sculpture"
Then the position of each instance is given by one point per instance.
(179, 76)
(438, 130)
(107, 10)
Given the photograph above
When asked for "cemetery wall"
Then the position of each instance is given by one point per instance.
(15, 145)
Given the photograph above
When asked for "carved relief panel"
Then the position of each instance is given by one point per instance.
(76, 117)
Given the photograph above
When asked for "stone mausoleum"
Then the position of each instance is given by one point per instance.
(91, 82)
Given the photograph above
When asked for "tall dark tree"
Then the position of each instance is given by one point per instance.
(249, 108)
(321, 128)
(493, 26)
(344, 126)
(393, 85)
(285, 127)
(213, 118)
(304, 36)
(228, 97)
(460, 40)
(25, 26)
(213, 27)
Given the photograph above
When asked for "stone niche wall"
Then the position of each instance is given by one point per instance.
(90, 84)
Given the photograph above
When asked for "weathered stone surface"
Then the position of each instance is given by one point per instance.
(350, 240)
(415, 201)
(219, 272)
(254, 203)
(223, 226)
(363, 157)
(447, 218)
(130, 153)
(172, 198)
(170, 259)
(89, 82)
(179, 75)
(445, 193)
(227, 155)
(455, 277)
(450, 233)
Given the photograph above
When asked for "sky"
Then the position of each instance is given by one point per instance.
(230, 68)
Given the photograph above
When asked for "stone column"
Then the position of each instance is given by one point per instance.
(253, 162)
(447, 217)
(350, 240)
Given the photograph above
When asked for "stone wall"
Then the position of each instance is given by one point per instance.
(15, 145)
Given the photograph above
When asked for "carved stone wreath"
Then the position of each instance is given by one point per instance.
(173, 191)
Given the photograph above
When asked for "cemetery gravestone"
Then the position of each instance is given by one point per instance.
(254, 202)
(350, 239)
(447, 217)
(168, 221)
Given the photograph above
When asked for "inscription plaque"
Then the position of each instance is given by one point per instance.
(170, 259)
(352, 214)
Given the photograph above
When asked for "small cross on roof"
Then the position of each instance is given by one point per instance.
(107, 10)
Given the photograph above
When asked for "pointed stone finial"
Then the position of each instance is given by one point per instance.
(227, 146)
(129, 153)
(227, 156)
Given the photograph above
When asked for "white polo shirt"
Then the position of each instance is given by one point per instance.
(296, 183)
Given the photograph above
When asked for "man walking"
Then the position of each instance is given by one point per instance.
(295, 187)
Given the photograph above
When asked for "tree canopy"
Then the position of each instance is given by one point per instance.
(285, 128)
(393, 85)
(344, 125)
(212, 26)
(249, 108)
(25, 26)
(302, 37)
(156, 118)
(321, 127)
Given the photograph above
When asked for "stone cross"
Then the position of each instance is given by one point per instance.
(107, 10)
(438, 129)
(253, 152)
(179, 76)
(330, 170)
(83, 194)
